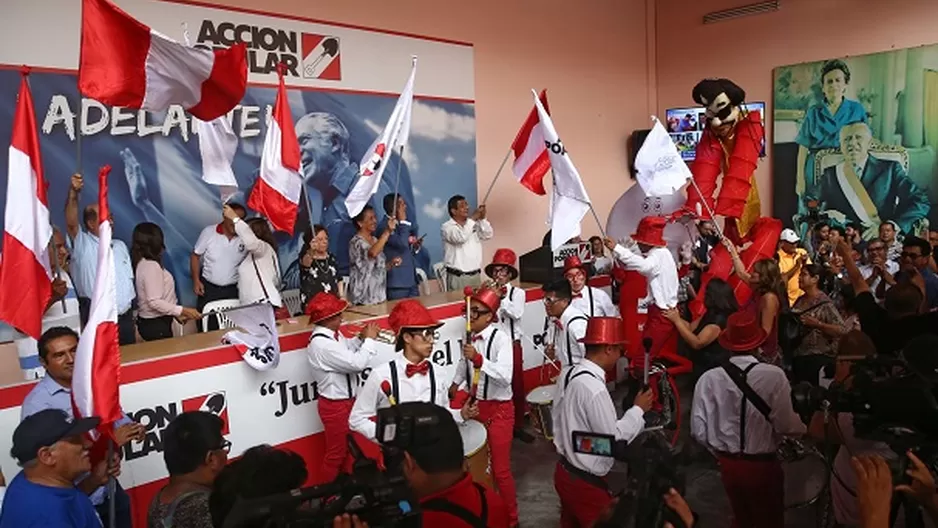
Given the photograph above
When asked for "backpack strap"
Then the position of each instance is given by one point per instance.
(567, 332)
(348, 377)
(445, 506)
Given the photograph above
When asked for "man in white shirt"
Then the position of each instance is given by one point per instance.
(83, 243)
(582, 403)
(587, 299)
(214, 263)
(568, 325)
(503, 269)
(409, 376)
(602, 265)
(336, 363)
(462, 244)
(655, 263)
(489, 354)
(880, 272)
(742, 429)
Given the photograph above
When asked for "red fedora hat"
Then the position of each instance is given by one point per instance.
(651, 231)
(323, 306)
(573, 262)
(485, 295)
(604, 331)
(743, 332)
(503, 257)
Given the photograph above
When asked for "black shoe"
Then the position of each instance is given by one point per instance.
(524, 436)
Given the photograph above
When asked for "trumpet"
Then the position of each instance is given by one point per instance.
(384, 335)
(493, 285)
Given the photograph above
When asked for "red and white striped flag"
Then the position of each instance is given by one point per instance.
(96, 377)
(276, 192)
(123, 62)
(25, 270)
(531, 160)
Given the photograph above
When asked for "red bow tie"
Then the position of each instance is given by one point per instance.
(578, 296)
(422, 369)
(559, 323)
(476, 338)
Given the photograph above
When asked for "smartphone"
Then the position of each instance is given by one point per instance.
(593, 443)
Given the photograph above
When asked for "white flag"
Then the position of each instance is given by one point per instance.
(570, 203)
(218, 144)
(258, 344)
(661, 171)
(376, 158)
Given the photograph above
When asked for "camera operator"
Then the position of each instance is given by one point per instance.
(737, 412)
(582, 403)
(433, 467)
(875, 491)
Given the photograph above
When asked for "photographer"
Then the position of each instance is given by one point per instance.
(875, 491)
(582, 403)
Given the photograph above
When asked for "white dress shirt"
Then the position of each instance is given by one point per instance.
(511, 311)
(220, 256)
(496, 349)
(594, 303)
(658, 267)
(586, 405)
(715, 417)
(462, 244)
(413, 389)
(602, 265)
(337, 361)
(572, 328)
(866, 270)
(263, 256)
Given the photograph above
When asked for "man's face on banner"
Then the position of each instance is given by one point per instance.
(855, 143)
(721, 114)
(319, 151)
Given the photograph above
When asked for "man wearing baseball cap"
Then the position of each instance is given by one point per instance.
(791, 258)
(53, 452)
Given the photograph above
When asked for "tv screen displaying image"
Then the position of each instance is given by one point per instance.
(686, 125)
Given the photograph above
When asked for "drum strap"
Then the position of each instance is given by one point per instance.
(348, 377)
(739, 376)
(571, 376)
(445, 506)
(395, 384)
(567, 332)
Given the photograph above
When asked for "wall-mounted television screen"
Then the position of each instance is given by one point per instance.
(686, 125)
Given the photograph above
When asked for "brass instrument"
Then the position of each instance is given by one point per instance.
(384, 335)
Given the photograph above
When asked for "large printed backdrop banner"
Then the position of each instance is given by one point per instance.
(342, 87)
(861, 133)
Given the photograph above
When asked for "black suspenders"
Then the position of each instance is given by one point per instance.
(511, 322)
(742, 414)
(348, 377)
(570, 377)
(590, 291)
(567, 333)
(395, 384)
(488, 356)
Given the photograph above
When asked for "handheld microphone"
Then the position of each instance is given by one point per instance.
(646, 344)
(386, 389)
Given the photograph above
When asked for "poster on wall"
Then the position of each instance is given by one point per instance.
(342, 85)
(856, 141)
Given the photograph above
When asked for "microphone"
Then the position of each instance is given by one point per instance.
(646, 343)
(386, 389)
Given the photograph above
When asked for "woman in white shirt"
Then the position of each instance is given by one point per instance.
(259, 272)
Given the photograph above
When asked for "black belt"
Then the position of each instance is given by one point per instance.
(585, 476)
(751, 457)
(459, 273)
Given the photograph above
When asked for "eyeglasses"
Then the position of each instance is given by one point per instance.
(429, 334)
(475, 313)
(550, 300)
(225, 446)
(905, 254)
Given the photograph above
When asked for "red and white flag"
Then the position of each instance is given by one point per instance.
(25, 270)
(531, 160)
(276, 193)
(123, 62)
(96, 377)
(218, 144)
(376, 158)
(258, 343)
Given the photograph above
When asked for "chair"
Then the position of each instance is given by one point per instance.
(216, 309)
(439, 269)
(422, 282)
(292, 299)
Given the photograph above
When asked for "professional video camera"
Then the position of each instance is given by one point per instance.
(652, 472)
(380, 498)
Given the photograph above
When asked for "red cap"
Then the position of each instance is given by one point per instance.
(651, 231)
(604, 331)
(503, 257)
(488, 297)
(410, 313)
(743, 332)
(323, 306)
(571, 263)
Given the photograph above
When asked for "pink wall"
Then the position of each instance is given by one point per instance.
(748, 49)
(592, 61)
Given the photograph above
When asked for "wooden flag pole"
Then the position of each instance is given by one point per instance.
(497, 174)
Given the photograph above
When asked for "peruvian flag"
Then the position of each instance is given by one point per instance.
(97, 361)
(25, 272)
(276, 192)
(531, 160)
(125, 63)
(392, 138)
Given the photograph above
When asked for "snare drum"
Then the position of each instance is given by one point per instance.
(476, 451)
(805, 471)
(540, 401)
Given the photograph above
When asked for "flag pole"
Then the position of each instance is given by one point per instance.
(497, 174)
(397, 180)
(111, 488)
(602, 231)
(703, 200)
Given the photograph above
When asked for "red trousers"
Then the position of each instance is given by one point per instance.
(756, 491)
(334, 415)
(499, 420)
(518, 393)
(581, 503)
(658, 329)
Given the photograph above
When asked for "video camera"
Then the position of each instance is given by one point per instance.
(381, 498)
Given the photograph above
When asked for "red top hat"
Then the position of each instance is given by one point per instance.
(651, 231)
(487, 296)
(411, 314)
(743, 332)
(573, 262)
(323, 306)
(604, 331)
(503, 257)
